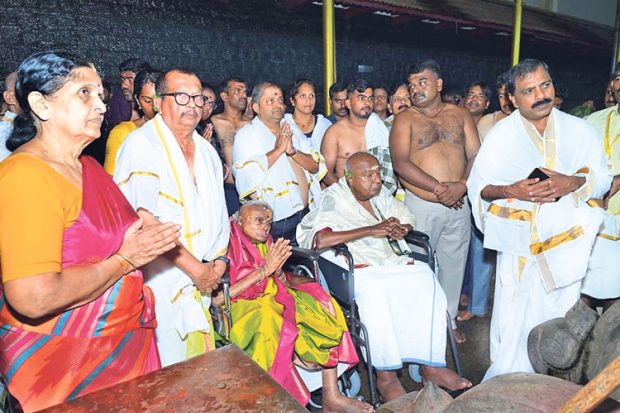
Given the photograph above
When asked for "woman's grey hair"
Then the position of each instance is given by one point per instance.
(251, 204)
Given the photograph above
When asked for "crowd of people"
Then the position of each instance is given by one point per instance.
(108, 274)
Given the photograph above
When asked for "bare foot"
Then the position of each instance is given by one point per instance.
(444, 377)
(390, 389)
(342, 404)
(464, 315)
(459, 336)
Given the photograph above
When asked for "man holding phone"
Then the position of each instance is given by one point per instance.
(543, 228)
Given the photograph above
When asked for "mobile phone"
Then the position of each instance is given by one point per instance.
(538, 173)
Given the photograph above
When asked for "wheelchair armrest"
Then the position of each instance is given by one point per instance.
(305, 253)
(415, 236)
(340, 249)
(422, 240)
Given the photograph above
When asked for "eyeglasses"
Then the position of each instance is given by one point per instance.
(182, 98)
(211, 103)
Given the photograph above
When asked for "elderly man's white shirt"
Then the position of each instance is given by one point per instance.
(389, 289)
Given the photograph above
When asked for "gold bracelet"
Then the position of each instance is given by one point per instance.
(127, 265)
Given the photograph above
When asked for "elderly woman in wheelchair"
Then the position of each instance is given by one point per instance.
(400, 301)
(280, 319)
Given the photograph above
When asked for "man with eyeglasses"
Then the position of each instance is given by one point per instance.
(398, 100)
(233, 93)
(168, 169)
(400, 301)
(433, 146)
(275, 166)
(362, 130)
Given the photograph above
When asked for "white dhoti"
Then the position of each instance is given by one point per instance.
(519, 306)
(403, 308)
(603, 278)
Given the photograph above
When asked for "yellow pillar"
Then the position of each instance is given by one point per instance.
(516, 32)
(329, 50)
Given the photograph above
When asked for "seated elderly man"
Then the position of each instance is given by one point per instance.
(400, 301)
(281, 320)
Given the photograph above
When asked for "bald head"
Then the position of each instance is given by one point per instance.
(359, 160)
(9, 93)
(363, 175)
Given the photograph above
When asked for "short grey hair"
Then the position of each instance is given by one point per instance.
(259, 90)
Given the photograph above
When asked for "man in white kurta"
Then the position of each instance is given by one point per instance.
(272, 164)
(543, 245)
(602, 281)
(401, 302)
(168, 169)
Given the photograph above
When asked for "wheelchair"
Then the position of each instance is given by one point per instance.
(340, 281)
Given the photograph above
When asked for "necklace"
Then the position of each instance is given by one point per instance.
(434, 114)
(75, 172)
(305, 127)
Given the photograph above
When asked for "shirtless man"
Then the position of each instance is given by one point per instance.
(433, 145)
(505, 105)
(233, 92)
(361, 131)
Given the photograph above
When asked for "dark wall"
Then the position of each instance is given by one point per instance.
(263, 39)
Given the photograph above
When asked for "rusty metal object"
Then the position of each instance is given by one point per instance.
(223, 380)
(515, 392)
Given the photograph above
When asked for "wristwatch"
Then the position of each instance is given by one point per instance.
(223, 258)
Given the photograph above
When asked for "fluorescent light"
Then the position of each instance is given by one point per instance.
(385, 13)
(502, 34)
(428, 21)
(336, 5)
(467, 28)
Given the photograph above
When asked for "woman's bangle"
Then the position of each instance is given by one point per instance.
(263, 274)
(281, 276)
(126, 264)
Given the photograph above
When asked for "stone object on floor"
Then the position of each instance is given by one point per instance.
(578, 346)
(515, 392)
(555, 346)
(225, 379)
(431, 399)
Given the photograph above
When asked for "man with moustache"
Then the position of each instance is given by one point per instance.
(505, 105)
(477, 100)
(398, 101)
(433, 145)
(272, 164)
(362, 130)
(234, 95)
(167, 168)
(381, 102)
(337, 98)
(601, 287)
(543, 228)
